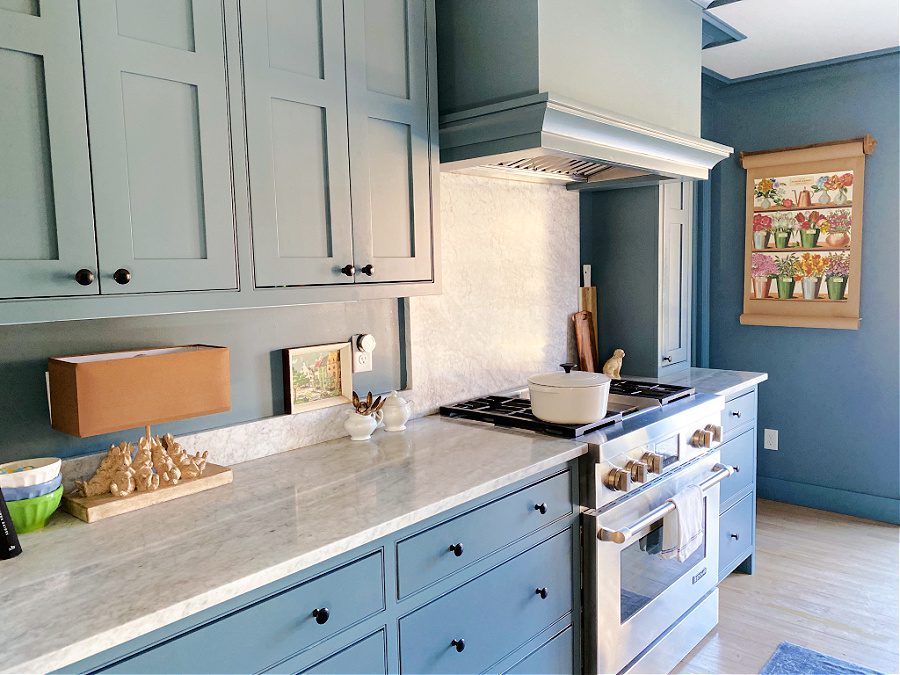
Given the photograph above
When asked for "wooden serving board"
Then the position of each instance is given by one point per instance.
(92, 509)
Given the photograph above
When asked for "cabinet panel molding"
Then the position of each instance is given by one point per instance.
(46, 217)
(158, 124)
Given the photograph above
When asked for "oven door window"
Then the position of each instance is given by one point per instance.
(645, 574)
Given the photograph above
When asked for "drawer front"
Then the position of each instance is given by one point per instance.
(366, 657)
(552, 658)
(430, 556)
(735, 532)
(254, 638)
(493, 614)
(740, 453)
(738, 411)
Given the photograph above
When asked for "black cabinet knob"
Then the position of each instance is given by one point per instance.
(348, 270)
(122, 276)
(368, 270)
(459, 644)
(735, 536)
(321, 615)
(737, 469)
(667, 359)
(84, 277)
(542, 507)
(541, 592)
(456, 548)
(736, 413)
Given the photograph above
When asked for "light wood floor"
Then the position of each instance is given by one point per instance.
(823, 581)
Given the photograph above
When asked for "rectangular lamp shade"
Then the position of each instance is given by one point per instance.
(94, 394)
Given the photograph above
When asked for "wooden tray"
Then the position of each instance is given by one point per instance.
(92, 509)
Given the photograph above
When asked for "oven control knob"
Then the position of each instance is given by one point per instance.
(702, 439)
(618, 479)
(654, 461)
(638, 470)
(716, 431)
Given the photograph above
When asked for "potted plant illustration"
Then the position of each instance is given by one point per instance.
(810, 227)
(787, 274)
(783, 229)
(768, 192)
(763, 270)
(837, 269)
(843, 182)
(839, 229)
(811, 267)
(821, 187)
(762, 230)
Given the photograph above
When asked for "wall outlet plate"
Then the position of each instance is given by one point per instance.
(362, 346)
(770, 439)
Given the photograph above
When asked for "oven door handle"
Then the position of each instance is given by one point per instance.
(721, 472)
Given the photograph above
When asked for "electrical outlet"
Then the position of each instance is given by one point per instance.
(362, 346)
(770, 439)
(362, 361)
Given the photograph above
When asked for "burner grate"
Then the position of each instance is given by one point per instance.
(664, 393)
(516, 412)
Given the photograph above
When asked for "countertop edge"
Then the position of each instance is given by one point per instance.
(60, 658)
(752, 382)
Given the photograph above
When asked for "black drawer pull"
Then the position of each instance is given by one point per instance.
(456, 548)
(735, 536)
(321, 615)
(459, 644)
(541, 592)
(542, 507)
(736, 413)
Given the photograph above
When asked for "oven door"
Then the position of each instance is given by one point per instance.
(637, 595)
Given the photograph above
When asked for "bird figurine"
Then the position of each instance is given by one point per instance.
(613, 366)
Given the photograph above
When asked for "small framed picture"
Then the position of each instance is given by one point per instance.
(317, 377)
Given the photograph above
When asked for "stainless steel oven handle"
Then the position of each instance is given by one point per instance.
(721, 472)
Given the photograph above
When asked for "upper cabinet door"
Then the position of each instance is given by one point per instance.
(160, 153)
(46, 221)
(388, 120)
(296, 107)
(675, 274)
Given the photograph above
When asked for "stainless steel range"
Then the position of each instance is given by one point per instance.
(643, 613)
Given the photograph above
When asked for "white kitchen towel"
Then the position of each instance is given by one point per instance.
(683, 527)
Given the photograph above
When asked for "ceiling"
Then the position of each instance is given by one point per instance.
(788, 33)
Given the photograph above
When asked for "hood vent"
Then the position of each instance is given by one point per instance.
(547, 139)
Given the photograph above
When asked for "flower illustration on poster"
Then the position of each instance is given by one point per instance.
(803, 234)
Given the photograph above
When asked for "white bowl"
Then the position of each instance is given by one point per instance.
(28, 472)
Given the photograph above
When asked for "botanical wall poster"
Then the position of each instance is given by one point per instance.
(804, 221)
(317, 377)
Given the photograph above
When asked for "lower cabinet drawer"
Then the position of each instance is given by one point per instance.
(471, 628)
(735, 533)
(366, 657)
(429, 556)
(256, 637)
(739, 410)
(554, 657)
(739, 452)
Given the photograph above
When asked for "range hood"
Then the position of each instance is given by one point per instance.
(548, 139)
(586, 93)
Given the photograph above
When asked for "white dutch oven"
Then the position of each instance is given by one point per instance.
(569, 397)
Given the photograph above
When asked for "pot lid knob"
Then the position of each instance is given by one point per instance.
(567, 367)
(395, 400)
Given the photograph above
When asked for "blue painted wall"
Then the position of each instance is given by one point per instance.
(255, 338)
(834, 395)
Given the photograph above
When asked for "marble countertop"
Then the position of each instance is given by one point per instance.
(62, 600)
(711, 380)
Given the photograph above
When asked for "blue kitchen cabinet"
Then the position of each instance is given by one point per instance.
(339, 138)
(46, 219)
(737, 498)
(160, 161)
(295, 97)
(638, 241)
(517, 608)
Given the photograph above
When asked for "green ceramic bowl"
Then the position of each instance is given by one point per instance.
(29, 515)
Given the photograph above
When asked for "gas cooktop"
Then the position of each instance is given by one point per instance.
(513, 409)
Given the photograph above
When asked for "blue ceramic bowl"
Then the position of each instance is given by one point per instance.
(14, 494)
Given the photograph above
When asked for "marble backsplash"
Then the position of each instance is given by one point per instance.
(510, 284)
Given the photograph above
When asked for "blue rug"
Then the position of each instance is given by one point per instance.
(790, 659)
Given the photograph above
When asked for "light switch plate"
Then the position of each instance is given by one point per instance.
(770, 439)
